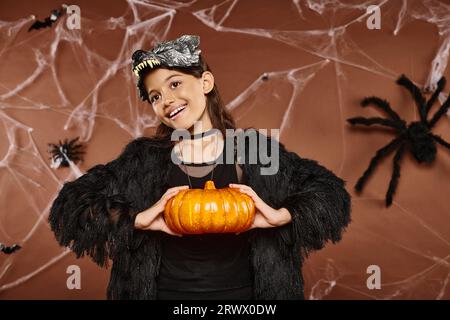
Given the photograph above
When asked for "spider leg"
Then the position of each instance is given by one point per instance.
(383, 105)
(415, 92)
(442, 110)
(376, 120)
(440, 87)
(441, 141)
(77, 148)
(395, 175)
(73, 141)
(378, 156)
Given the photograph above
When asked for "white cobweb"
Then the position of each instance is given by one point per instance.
(78, 103)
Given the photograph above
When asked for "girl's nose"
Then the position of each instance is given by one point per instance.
(168, 97)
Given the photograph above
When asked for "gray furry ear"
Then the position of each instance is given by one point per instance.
(190, 41)
(186, 44)
(137, 55)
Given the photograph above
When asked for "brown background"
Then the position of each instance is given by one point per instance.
(321, 62)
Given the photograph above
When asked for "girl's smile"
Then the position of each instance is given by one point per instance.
(176, 112)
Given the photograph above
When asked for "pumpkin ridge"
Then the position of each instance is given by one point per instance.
(246, 210)
(167, 215)
(225, 213)
(243, 221)
(214, 211)
(188, 228)
(236, 210)
(176, 205)
(202, 214)
(178, 215)
(196, 212)
(251, 212)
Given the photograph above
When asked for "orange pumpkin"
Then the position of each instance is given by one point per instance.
(209, 210)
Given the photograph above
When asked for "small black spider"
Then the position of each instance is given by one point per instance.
(9, 250)
(63, 151)
(417, 135)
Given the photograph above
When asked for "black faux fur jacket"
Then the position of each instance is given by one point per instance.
(95, 214)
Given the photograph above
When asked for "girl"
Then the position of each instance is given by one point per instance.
(115, 210)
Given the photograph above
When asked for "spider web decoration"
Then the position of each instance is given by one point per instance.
(290, 65)
(417, 135)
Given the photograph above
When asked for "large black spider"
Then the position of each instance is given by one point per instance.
(417, 135)
(63, 151)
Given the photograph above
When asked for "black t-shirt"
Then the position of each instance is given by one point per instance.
(207, 262)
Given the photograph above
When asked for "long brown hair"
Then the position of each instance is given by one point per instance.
(220, 118)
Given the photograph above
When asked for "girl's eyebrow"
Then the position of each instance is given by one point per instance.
(165, 80)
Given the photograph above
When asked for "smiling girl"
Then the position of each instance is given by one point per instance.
(116, 210)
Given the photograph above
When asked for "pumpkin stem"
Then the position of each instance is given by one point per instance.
(209, 185)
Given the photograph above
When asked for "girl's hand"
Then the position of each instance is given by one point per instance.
(152, 218)
(265, 216)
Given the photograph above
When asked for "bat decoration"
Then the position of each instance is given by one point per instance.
(9, 250)
(416, 137)
(65, 150)
(48, 22)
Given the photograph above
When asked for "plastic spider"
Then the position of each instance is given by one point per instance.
(417, 135)
(8, 250)
(63, 151)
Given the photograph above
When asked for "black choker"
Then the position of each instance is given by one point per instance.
(203, 134)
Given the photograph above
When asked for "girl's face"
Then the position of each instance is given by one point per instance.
(178, 99)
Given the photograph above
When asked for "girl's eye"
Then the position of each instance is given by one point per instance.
(152, 98)
(177, 82)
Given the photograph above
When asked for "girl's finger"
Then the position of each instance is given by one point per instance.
(250, 193)
(172, 193)
(243, 188)
(177, 188)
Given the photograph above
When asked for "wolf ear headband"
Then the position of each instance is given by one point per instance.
(181, 52)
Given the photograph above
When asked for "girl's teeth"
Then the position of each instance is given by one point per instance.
(176, 111)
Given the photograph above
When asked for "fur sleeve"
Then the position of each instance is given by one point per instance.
(92, 216)
(317, 200)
